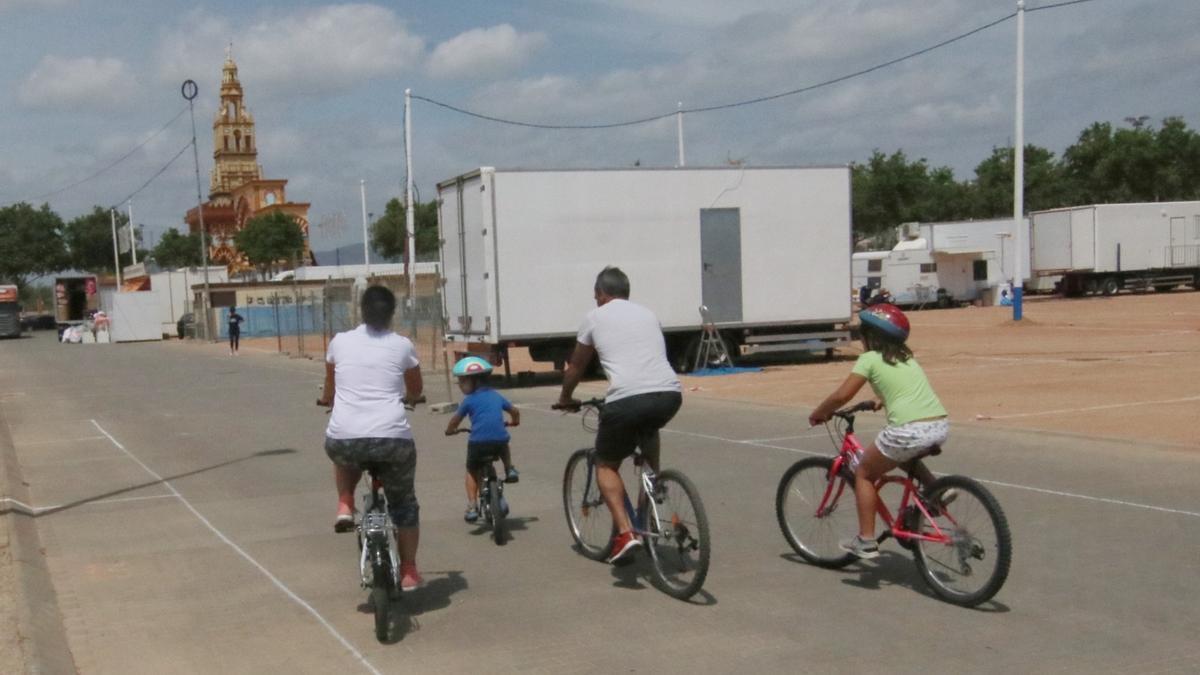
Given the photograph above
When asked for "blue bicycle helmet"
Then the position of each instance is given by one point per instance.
(471, 366)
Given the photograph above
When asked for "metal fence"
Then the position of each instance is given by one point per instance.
(301, 321)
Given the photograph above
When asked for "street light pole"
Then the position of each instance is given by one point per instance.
(116, 254)
(132, 232)
(1019, 167)
(189, 90)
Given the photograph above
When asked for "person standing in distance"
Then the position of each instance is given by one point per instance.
(370, 373)
(235, 330)
(643, 391)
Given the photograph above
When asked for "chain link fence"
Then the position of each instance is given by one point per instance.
(300, 320)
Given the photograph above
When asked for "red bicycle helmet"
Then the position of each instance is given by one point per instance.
(888, 319)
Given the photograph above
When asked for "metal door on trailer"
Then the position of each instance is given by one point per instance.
(721, 263)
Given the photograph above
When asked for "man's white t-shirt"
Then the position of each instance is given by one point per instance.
(629, 341)
(369, 387)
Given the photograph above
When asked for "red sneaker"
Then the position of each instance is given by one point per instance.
(623, 546)
(410, 578)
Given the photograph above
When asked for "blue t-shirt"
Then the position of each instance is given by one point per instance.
(485, 408)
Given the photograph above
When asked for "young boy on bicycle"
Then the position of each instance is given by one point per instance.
(485, 407)
(916, 419)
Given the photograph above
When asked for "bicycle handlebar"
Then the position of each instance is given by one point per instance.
(848, 413)
(574, 407)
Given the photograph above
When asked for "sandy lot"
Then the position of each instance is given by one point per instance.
(1124, 367)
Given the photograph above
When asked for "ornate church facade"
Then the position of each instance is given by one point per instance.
(237, 191)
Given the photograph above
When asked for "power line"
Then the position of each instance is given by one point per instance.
(156, 175)
(752, 101)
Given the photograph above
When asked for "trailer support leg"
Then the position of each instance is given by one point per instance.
(1018, 294)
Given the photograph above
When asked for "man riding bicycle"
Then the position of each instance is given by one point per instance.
(643, 392)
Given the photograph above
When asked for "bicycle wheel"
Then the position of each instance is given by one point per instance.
(498, 534)
(971, 567)
(587, 516)
(381, 588)
(678, 538)
(815, 511)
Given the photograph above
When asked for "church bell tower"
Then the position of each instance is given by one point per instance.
(235, 155)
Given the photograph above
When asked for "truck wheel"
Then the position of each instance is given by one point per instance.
(1110, 286)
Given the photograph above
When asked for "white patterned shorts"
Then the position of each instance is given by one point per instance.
(906, 441)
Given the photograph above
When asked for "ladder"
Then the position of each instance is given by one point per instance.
(712, 347)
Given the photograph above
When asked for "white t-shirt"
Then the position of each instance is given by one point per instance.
(629, 341)
(369, 387)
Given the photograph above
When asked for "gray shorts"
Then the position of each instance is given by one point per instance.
(395, 461)
(906, 441)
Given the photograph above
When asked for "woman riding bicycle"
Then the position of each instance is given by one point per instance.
(369, 374)
(916, 419)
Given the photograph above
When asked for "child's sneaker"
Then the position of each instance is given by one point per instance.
(624, 544)
(863, 549)
(471, 515)
(344, 521)
(513, 476)
(410, 578)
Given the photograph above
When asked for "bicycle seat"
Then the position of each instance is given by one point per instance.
(376, 469)
(931, 451)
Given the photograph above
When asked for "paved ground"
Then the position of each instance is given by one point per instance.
(184, 506)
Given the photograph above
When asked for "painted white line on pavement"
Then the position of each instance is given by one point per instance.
(220, 535)
(752, 441)
(1028, 488)
(1109, 406)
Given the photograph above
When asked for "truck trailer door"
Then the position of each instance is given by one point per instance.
(721, 263)
(464, 264)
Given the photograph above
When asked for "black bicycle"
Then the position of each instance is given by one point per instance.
(669, 517)
(492, 505)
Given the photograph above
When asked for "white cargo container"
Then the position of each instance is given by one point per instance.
(1102, 248)
(767, 250)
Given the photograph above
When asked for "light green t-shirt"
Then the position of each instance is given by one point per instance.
(903, 387)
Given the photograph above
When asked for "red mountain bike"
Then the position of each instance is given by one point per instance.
(954, 526)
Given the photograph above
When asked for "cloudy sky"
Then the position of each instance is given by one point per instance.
(85, 81)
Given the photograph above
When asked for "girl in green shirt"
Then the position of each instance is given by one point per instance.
(916, 420)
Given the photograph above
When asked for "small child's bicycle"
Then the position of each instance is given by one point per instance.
(954, 526)
(673, 525)
(492, 505)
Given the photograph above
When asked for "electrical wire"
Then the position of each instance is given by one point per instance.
(156, 175)
(752, 101)
(120, 159)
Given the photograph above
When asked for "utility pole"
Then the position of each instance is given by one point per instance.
(1019, 168)
(116, 254)
(679, 132)
(189, 90)
(362, 188)
(410, 252)
(132, 232)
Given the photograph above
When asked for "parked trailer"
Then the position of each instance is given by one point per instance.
(74, 298)
(767, 250)
(1103, 248)
(10, 311)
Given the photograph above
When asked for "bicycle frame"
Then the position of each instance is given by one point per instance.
(375, 524)
(851, 447)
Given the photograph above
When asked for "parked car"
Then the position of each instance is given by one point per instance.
(186, 326)
(39, 322)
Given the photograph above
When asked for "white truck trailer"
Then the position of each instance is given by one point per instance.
(1103, 248)
(766, 250)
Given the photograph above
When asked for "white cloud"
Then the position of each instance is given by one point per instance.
(484, 51)
(58, 82)
(327, 49)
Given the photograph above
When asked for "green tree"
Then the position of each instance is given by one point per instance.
(991, 195)
(270, 239)
(389, 233)
(89, 240)
(889, 190)
(31, 243)
(177, 250)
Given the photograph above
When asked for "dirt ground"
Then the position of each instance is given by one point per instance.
(1124, 367)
